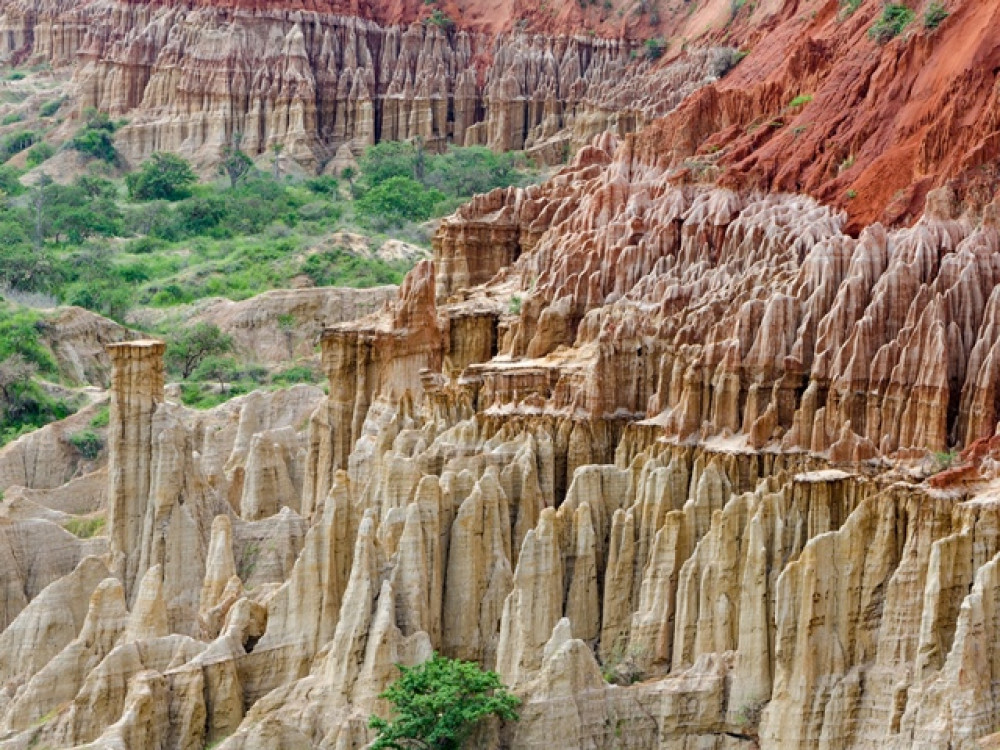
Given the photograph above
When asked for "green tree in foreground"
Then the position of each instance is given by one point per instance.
(161, 177)
(438, 704)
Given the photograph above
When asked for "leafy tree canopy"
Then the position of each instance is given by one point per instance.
(194, 344)
(161, 177)
(438, 704)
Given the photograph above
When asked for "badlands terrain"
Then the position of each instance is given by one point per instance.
(695, 441)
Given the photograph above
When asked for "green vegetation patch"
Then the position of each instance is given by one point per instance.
(439, 703)
(85, 528)
(895, 17)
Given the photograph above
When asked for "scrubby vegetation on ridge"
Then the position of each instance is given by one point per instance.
(158, 237)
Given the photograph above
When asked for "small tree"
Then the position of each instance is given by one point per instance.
(438, 704)
(161, 177)
(235, 163)
(194, 344)
(95, 137)
(222, 370)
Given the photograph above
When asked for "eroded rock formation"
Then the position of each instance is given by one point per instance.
(706, 443)
(315, 81)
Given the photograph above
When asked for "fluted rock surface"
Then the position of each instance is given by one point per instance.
(313, 81)
(626, 427)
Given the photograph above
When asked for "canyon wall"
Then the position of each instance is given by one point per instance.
(315, 83)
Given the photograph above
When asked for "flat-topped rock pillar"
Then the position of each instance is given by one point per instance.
(136, 391)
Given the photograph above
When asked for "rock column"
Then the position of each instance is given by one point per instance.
(136, 391)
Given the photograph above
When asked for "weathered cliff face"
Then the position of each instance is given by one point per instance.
(721, 315)
(272, 574)
(315, 81)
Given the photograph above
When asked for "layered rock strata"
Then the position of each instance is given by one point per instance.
(314, 82)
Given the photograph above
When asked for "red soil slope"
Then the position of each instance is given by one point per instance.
(885, 124)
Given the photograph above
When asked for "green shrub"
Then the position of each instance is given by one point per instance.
(895, 17)
(397, 200)
(187, 349)
(87, 443)
(934, 15)
(9, 182)
(323, 185)
(654, 48)
(463, 172)
(295, 374)
(11, 118)
(439, 703)
(440, 18)
(95, 143)
(50, 108)
(95, 137)
(386, 160)
(38, 154)
(161, 177)
(17, 75)
(800, 101)
(21, 334)
(24, 405)
(848, 7)
(338, 267)
(108, 297)
(14, 143)
(102, 418)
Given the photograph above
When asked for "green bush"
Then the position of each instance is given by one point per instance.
(463, 172)
(386, 160)
(95, 143)
(655, 48)
(14, 143)
(161, 177)
(102, 418)
(895, 17)
(439, 703)
(40, 153)
(95, 137)
(11, 118)
(295, 374)
(934, 15)
(398, 200)
(187, 349)
(50, 108)
(87, 443)
(323, 185)
(24, 405)
(21, 334)
(9, 182)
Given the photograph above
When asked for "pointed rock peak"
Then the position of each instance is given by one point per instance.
(106, 615)
(148, 618)
(562, 633)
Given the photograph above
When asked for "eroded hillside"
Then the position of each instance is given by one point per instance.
(686, 452)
